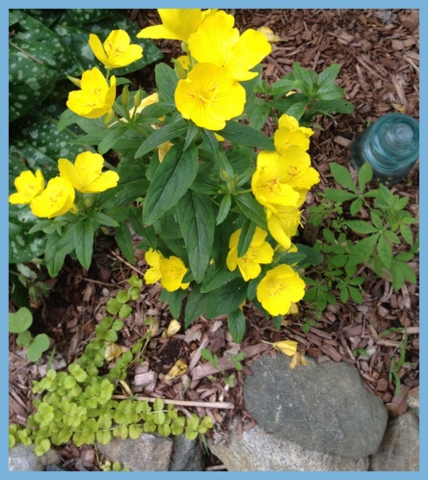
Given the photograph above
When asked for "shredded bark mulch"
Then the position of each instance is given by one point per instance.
(378, 51)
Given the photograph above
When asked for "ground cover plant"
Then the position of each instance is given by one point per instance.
(216, 200)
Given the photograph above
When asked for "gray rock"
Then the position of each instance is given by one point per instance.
(23, 459)
(187, 455)
(322, 407)
(150, 452)
(261, 451)
(399, 450)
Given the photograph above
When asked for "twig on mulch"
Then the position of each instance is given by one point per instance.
(181, 403)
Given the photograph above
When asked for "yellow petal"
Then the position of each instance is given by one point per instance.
(173, 328)
(287, 347)
(113, 350)
(179, 368)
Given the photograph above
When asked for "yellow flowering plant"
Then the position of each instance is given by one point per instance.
(215, 202)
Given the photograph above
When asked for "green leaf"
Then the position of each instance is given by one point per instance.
(197, 223)
(226, 299)
(103, 436)
(245, 135)
(111, 137)
(195, 305)
(57, 247)
(224, 209)
(360, 226)
(252, 209)
(236, 325)
(84, 241)
(103, 219)
(384, 251)
(166, 81)
(215, 278)
(164, 134)
(356, 206)
(20, 321)
(24, 339)
(355, 295)
(362, 251)
(338, 195)
(304, 77)
(170, 182)
(39, 345)
(329, 75)
(124, 240)
(327, 107)
(406, 234)
(245, 237)
(174, 300)
(365, 174)
(343, 176)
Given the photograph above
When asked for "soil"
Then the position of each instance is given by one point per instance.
(378, 51)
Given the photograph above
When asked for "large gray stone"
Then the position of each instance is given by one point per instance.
(322, 407)
(23, 459)
(151, 452)
(399, 450)
(187, 455)
(260, 451)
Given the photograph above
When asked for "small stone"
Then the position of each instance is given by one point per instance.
(187, 455)
(23, 459)
(399, 451)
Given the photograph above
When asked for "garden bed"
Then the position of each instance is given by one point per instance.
(378, 51)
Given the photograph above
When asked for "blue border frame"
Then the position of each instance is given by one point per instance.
(363, 4)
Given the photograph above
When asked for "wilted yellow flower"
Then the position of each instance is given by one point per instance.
(96, 97)
(287, 347)
(117, 51)
(28, 186)
(86, 174)
(269, 34)
(179, 368)
(209, 96)
(170, 271)
(177, 24)
(259, 252)
(283, 224)
(269, 184)
(56, 199)
(217, 42)
(145, 102)
(290, 133)
(279, 288)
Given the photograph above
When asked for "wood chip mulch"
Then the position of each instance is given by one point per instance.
(378, 51)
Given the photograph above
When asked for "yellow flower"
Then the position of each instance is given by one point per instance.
(28, 186)
(173, 271)
(117, 51)
(279, 288)
(269, 184)
(209, 97)
(258, 252)
(283, 224)
(170, 271)
(55, 200)
(85, 175)
(217, 42)
(297, 170)
(177, 24)
(290, 133)
(96, 96)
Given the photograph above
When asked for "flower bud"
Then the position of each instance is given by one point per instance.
(125, 96)
(74, 80)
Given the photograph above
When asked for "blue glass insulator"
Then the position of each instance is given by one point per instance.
(390, 146)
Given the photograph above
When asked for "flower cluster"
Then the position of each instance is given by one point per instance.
(280, 183)
(85, 176)
(218, 59)
(97, 95)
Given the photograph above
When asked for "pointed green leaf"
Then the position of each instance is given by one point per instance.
(360, 226)
(245, 135)
(170, 182)
(164, 134)
(252, 209)
(343, 176)
(84, 241)
(245, 237)
(57, 247)
(197, 223)
(236, 325)
(226, 299)
(124, 240)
